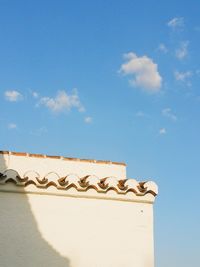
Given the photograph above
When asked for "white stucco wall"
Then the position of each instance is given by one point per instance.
(45, 227)
(62, 165)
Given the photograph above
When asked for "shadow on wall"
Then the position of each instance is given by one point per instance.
(21, 244)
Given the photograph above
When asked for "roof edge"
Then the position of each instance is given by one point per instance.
(25, 154)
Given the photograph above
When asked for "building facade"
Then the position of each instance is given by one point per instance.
(66, 212)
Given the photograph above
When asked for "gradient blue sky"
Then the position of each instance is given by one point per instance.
(116, 80)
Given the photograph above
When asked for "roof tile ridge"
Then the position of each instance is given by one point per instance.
(81, 184)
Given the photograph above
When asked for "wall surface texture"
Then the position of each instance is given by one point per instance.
(73, 220)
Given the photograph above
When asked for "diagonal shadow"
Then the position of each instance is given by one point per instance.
(21, 243)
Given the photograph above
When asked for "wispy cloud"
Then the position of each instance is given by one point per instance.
(176, 23)
(13, 95)
(35, 94)
(140, 114)
(197, 28)
(62, 102)
(197, 72)
(163, 48)
(167, 112)
(162, 131)
(144, 72)
(182, 76)
(88, 120)
(12, 126)
(182, 51)
(40, 131)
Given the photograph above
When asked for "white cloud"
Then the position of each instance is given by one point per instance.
(182, 76)
(176, 23)
(13, 95)
(162, 131)
(35, 94)
(167, 112)
(144, 71)
(182, 51)
(63, 102)
(88, 120)
(12, 126)
(162, 48)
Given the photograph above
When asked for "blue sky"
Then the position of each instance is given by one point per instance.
(116, 80)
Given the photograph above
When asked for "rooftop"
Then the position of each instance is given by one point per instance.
(44, 174)
(25, 154)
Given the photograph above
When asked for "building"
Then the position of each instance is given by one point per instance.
(69, 212)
